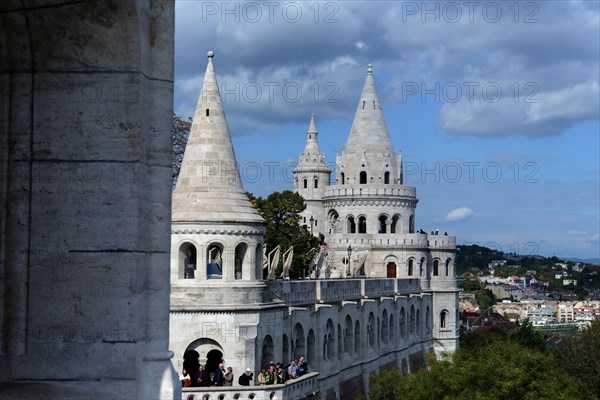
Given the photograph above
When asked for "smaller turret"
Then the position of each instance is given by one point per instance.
(311, 177)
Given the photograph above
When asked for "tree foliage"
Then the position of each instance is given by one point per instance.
(579, 357)
(492, 365)
(282, 211)
(180, 133)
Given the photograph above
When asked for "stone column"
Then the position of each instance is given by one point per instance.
(86, 113)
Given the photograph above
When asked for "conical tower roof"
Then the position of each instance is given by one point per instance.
(369, 131)
(312, 153)
(209, 187)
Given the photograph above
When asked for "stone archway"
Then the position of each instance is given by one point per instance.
(213, 359)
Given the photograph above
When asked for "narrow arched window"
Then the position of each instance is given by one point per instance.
(351, 225)
(363, 177)
(207, 112)
(316, 183)
(443, 319)
(436, 264)
(343, 178)
(305, 183)
(362, 225)
(410, 267)
(386, 177)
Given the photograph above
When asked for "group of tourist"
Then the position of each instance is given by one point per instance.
(220, 377)
(278, 373)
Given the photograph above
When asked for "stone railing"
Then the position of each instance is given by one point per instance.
(303, 388)
(326, 290)
(369, 191)
(400, 240)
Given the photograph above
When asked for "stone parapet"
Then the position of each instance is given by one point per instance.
(369, 191)
(302, 388)
(335, 290)
(394, 241)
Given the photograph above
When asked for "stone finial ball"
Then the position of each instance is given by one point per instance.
(210, 54)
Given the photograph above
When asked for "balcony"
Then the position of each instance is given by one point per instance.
(303, 388)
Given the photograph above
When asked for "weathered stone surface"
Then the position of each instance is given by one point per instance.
(86, 112)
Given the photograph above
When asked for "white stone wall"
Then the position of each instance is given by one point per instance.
(357, 327)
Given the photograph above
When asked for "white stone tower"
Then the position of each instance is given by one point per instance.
(311, 178)
(216, 240)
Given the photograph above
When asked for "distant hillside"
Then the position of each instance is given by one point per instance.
(475, 259)
(584, 260)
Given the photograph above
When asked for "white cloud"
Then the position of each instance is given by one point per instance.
(595, 237)
(459, 214)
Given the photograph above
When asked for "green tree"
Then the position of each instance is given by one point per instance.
(486, 366)
(579, 357)
(282, 211)
(180, 133)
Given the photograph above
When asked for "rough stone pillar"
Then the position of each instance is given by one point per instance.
(85, 117)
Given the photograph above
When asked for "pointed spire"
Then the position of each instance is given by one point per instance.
(369, 138)
(311, 126)
(369, 125)
(312, 144)
(209, 187)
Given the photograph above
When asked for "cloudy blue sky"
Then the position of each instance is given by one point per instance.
(494, 105)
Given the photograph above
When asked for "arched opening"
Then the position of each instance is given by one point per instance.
(448, 266)
(382, 228)
(391, 269)
(421, 266)
(384, 327)
(394, 225)
(240, 255)
(333, 218)
(207, 112)
(443, 315)
(412, 320)
(213, 359)
(214, 261)
(410, 267)
(418, 322)
(351, 225)
(285, 350)
(348, 331)
(362, 224)
(436, 264)
(310, 347)
(411, 224)
(378, 333)
(357, 338)
(259, 262)
(305, 183)
(298, 341)
(371, 331)
(343, 176)
(339, 341)
(386, 178)
(267, 354)
(191, 361)
(392, 329)
(363, 177)
(187, 261)
(329, 341)
(210, 353)
(402, 321)
(316, 183)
